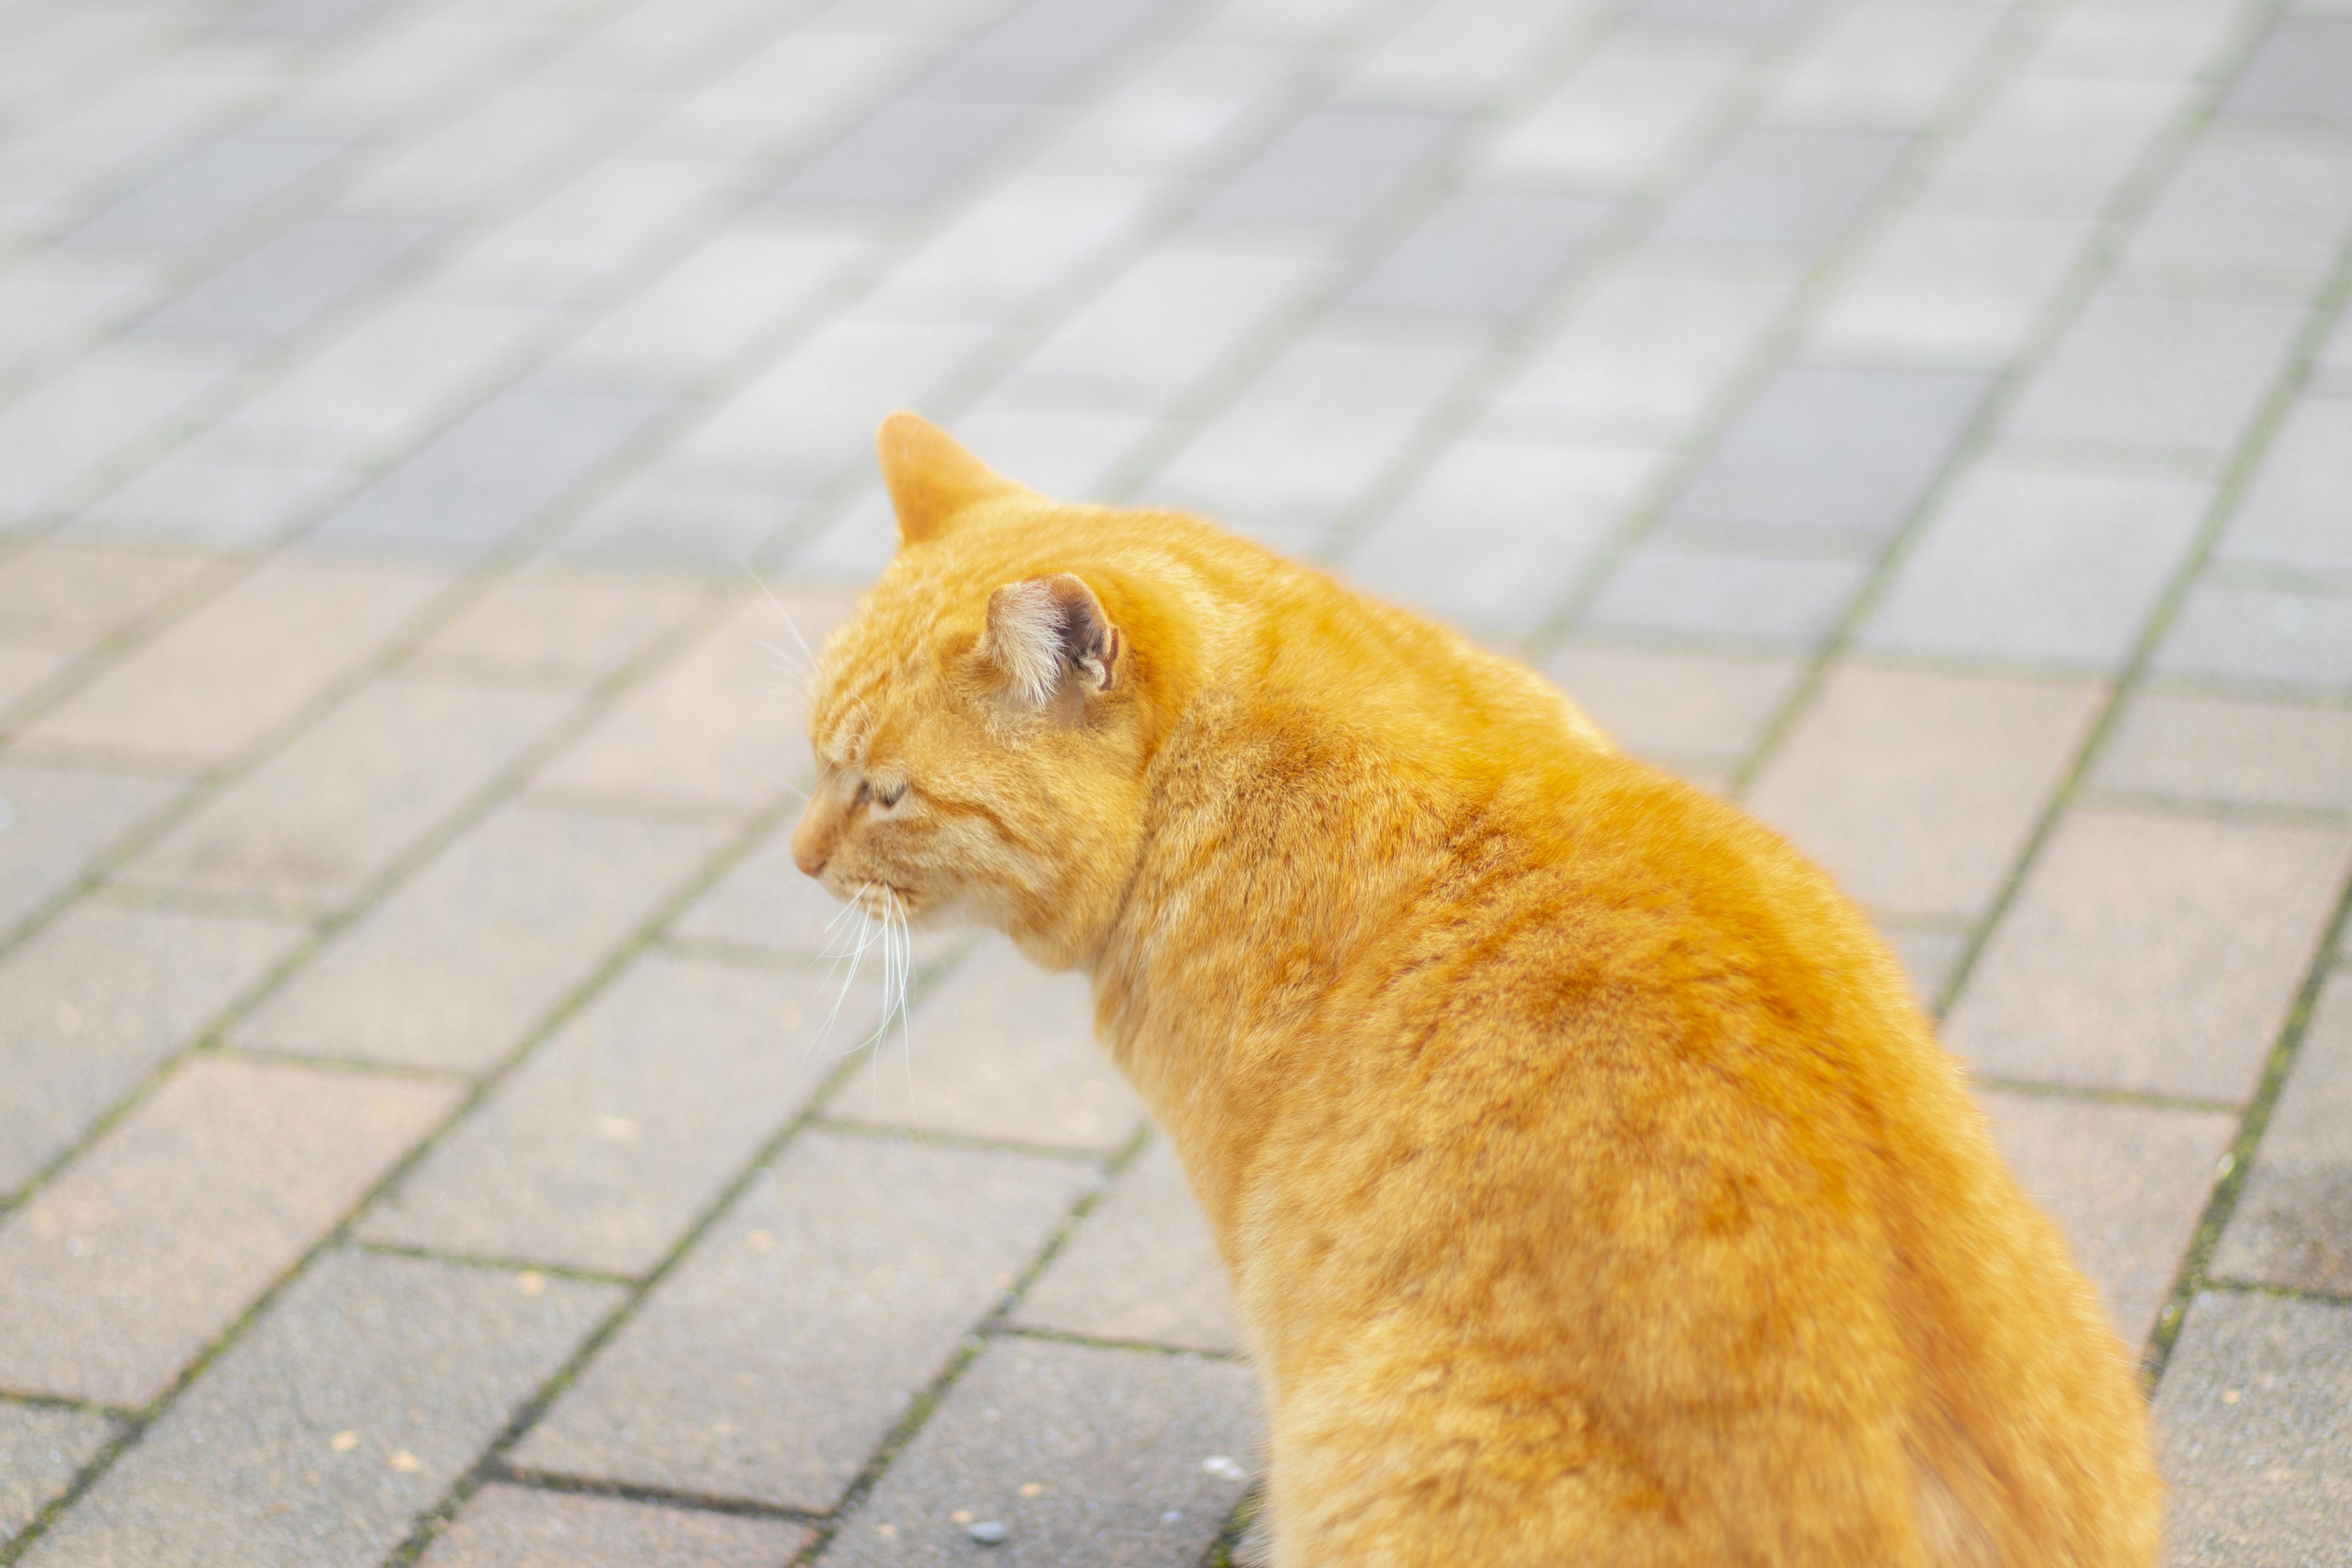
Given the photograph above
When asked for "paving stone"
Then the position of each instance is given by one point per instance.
(1057, 452)
(283, 284)
(766, 903)
(1033, 50)
(2292, 513)
(604, 1147)
(57, 821)
(1185, 106)
(100, 997)
(2282, 637)
(1847, 451)
(1112, 1442)
(140, 113)
(1883, 66)
(2249, 213)
(1163, 326)
(1675, 704)
(375, 391)
(1460, 55)
(556, 625)
(71, 595)
(2252, 1412)
(1616, 122)
(1740, 18)
(2303, 69)
(306, 18)
(1142, 1267)
(1916, 789)
(1333, 167)
(512, 1526)
(1748, 599)
(478, 155)
(998, 1050)
(1482, 253)
(420, 63)
(240, 664)
(612, 217)
(42, 1448)
(216, 502)
(1928, 955)
(45, 310)
(2038, 568)
(1020, 243)
(2126, 1183)
(1789, 188)
(422, 1363)
(1644, 354)
(26, 670)
(2231, 750)
(2153, 376)
(56, 445)
(774, 1362)
(2157, 954)
(1313, 431)
(119, 1271)
(735, 289)
(899, 156)
(2293, 1225)
(2058, 145)
(1954, 288)
(723, 726)
(319, 821)
(469, 953)
(203, 194)
(481, 481)
(1494, 533)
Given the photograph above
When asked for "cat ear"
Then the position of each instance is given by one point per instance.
(931, 478)
(1045, 632)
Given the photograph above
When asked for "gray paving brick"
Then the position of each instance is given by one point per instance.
(1958, 288)
(203, 194)
(766, 903)
(1675, 704)
(2060, 145)
(454, 968)
(214, 502)
(2158, 376)
(2126, 1183)
(2030, 566)
(320, 820)
(778, 1356)
(1482, 253)
(97, 999)
(723, 726)
(1312, 432)
(734, 288)
(55, 443)
(46, 309)
(1081, 1453)
(1186, 105)
(1616, 121)
(611, 1140)
(283, 284)
(2293, 1225)
(419, 63)
(422, 1363)
(2303, 69)
(899, 156)
(57, 822)
(2252, 212)
(42, 1448)
(2151, 953)
(612, 215)
(1165, 324)
(1929, 954)
(1033, 51)
(559, 627)
(243, 662)
(141, 111)
(1333, 167)
(1642, 355)
(69, 596)
(1740, 18)
(1727, 596)
(2270, 637)
(1883, 66)
(782, 95)
(1459, 55)
(1916, 789)
(711, 529)
(306, 18)
(1782, 187)
(1142, 1267)
(481, 481)
(1845, 451)
(119, 1271)
(1056, 451)
(998, 1050)
(1495, 532)
(2252, 1412)
(481, 154)
(2292, 513)
(2234, 751)
(1015, 246)
(511, 1527)
(2331, 371)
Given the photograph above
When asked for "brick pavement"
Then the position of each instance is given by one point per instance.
(428, 430)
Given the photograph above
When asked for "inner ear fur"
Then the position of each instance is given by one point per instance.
(1049, 637)
(931, 478)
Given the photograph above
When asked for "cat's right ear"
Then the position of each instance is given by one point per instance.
(931, 478)
(1050, 639)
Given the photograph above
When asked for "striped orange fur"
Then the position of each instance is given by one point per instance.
(1592, 1187)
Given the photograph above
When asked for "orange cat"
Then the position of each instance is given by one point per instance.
(1593, 1190)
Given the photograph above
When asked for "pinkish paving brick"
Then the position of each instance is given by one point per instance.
(69, 596)
(1142, 1267)
(2234, 750)
(512, 1527)
(724, 726)
(214, 681)
(1676, 705)
(26, 670)
(126, 1266)
(565, 626)
(60, 820)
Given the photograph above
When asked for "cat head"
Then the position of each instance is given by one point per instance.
(983, 725)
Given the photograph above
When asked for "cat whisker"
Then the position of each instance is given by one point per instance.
(787, 615)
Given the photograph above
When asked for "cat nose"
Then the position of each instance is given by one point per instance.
(809, 849)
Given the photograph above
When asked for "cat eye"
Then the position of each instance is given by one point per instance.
(893, 793)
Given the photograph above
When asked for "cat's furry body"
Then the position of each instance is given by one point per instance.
(1593, 1190)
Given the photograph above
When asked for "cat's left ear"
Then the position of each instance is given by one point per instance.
(1050, 637)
